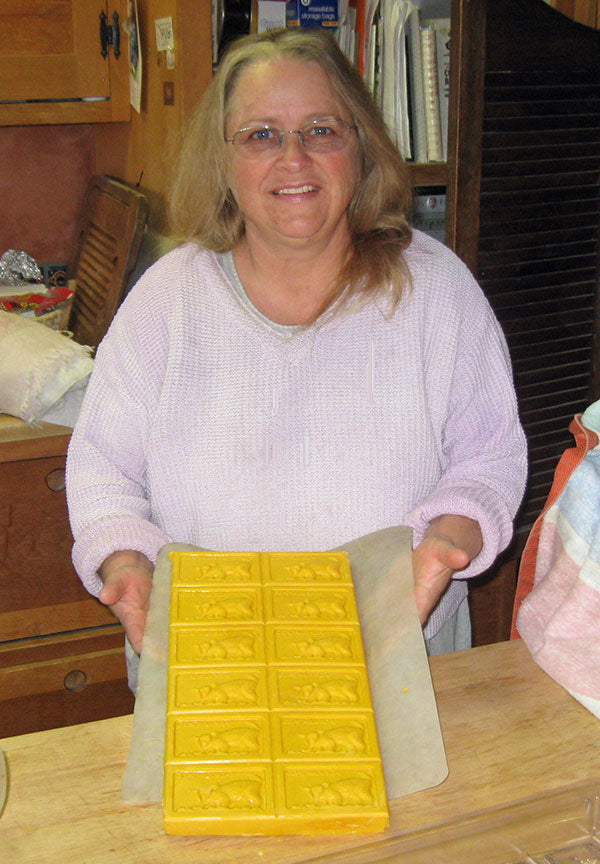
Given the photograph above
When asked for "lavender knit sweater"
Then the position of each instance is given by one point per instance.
(203, 424)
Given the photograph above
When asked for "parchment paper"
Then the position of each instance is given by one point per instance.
(408, 727)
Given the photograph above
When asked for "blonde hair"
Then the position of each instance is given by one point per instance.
(203, 209)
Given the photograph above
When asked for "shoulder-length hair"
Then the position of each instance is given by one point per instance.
(203, 209)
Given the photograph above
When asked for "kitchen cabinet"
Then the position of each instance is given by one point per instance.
(52, 67)
(61, 651)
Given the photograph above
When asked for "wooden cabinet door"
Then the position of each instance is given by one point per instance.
(51, 63)
(51, 50)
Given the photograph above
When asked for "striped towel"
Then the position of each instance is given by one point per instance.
(557, 606)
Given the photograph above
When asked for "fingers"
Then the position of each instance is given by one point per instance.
(434, 562)
(112, 590)
(126, 591)
(450, 544)
(428, 590)
(134, 625)
(453, 557)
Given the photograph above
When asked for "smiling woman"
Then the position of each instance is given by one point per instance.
(286, 79)
(295, 198)
(304, 369)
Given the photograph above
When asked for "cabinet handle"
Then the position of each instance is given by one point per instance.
(55, 480)
(75, 680)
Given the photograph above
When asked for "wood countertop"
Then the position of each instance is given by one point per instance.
(511, 735)
(19, 440)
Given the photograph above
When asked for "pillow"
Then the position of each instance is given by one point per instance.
(38, 366)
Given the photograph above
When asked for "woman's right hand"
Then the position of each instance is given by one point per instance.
(127, 577)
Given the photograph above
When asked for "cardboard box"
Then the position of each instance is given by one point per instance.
(312, 13)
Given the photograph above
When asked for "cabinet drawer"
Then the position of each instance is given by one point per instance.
(40, 593)
(62, 680)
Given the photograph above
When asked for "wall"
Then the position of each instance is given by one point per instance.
(44, 171)
(141, 152)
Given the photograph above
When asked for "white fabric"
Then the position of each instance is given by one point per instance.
(38, 366)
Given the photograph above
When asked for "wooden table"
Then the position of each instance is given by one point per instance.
(511, 733)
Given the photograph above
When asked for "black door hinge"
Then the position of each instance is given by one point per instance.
(110, 34)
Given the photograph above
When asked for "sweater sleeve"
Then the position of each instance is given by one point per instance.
(484, 451)
(107, 496)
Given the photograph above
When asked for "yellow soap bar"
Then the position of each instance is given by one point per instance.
(270, 725)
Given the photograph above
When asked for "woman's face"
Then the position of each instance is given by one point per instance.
(291, 197)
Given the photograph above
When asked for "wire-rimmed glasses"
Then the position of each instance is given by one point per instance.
(318, 136)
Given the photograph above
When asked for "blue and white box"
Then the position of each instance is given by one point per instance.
(312, 13)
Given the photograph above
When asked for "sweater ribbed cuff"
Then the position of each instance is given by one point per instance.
(113, 534)
(496, 528)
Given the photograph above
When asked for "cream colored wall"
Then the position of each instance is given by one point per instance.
(141, 151)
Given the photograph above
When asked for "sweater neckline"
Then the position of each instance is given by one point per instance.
(227, 265)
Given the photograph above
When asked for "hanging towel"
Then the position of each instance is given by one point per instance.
(557, 605)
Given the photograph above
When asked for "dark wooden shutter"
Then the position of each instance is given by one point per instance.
(531, 230)
(108, 239)
(538, 248)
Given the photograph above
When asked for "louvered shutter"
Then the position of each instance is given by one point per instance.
(109, 235)
(538, 248)
(525, 211)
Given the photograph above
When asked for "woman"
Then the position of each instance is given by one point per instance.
(305, 369)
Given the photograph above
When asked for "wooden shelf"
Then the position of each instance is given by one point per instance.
(429, 174)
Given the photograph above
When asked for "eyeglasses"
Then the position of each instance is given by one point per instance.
(318, 136)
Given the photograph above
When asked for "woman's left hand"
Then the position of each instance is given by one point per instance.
(450, 544)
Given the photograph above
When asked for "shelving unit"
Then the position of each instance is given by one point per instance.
(429, 174)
